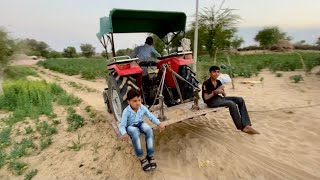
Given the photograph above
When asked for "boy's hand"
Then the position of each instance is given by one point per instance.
(224, 94)
(161, 126)
(219, 91)
(221, 87)
(125, 137)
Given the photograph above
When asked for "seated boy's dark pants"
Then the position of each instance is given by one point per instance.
(237, 109)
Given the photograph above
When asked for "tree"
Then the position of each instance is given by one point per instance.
(43, 49)
(219, 28)
(201, 38)
(54, 54)
(87, 50)
(318, 41)
(269, 36)
(158, 44)
(33, 47)
(6, 50)
(236, 42)
(124, 52)
(300, 43)
(69, 52)
(104, 54)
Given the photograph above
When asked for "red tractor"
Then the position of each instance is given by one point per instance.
(170, 80)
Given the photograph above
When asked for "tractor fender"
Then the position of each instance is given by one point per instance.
(126, 69)
(174, 62)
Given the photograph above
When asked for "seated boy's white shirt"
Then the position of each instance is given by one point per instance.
(224, 78)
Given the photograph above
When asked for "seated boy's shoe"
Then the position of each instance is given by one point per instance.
(250, 130)
(152, 162)
(145, 164)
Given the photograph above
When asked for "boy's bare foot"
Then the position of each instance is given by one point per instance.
(250, 130)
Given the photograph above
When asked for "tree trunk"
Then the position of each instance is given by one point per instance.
(230, 71)
(215, 56)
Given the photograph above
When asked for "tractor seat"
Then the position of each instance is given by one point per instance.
(147, 63)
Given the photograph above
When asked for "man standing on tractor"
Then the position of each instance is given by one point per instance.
(145, 51)
(212, 89)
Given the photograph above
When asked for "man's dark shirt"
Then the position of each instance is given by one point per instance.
(208, 87)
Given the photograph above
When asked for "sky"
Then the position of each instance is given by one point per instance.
(62, 23)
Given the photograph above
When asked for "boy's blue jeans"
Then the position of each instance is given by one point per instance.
(134, 132)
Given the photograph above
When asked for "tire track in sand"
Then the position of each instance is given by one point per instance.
(281, 170)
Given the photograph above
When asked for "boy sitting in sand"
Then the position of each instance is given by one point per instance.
(211, 90)
(132, 125)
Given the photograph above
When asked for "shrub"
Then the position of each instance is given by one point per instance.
(17, 167)
(19, 72)
(74, 120)
(26, 98)
(31, 174)
(5, 140)
(296, 78)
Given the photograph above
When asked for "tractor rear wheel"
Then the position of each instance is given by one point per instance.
(106, 100)
(187, 90)
(118, 86)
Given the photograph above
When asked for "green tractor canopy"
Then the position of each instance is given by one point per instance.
(159, 23)
(140, 21)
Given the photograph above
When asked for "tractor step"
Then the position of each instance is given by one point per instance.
(175, 114)
(183, 112)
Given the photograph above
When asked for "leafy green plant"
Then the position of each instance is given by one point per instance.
(17, 167)
(56, 122)
(87, 109)
(45, 142)
(5, 140)
(26, 99)
(252, 64)
(65, 99)
(19, 72)
(75, 85)
(70, 110)
(31, 174)
(46, 129)
(75, 121)
(279, 74)
(3, 158)
(56, 89)
(76, 145)
(89, 68)
(20, 149)
(28, 130)
(296, 78)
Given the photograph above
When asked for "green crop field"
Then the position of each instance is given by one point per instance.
(23, 102)
(250, 65)
(242, 65)
(88, 68)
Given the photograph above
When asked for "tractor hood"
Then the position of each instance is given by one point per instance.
(159, 23)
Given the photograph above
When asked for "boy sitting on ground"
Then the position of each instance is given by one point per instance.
(132, 125)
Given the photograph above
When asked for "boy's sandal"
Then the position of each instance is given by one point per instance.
(145, 164)
(152, 162)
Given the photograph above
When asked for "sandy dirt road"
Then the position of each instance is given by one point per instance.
(206, 147)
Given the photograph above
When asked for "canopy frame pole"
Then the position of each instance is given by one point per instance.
(112, 44)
